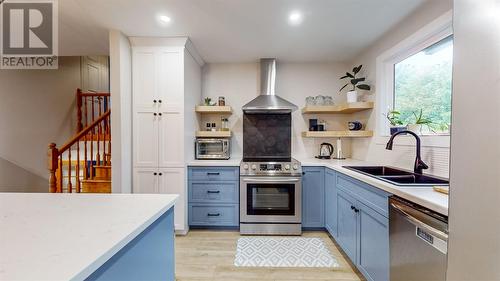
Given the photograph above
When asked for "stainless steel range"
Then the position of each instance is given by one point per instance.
(270, 197)
(270, 180)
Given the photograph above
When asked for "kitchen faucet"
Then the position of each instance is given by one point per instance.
(419, 164)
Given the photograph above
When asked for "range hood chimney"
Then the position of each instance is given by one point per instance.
(268, 101)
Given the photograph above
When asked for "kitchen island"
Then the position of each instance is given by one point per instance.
(86, 236)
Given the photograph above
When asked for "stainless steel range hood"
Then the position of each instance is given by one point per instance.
(268, 101)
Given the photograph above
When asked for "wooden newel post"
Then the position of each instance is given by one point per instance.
(53, 155)
(79, 103)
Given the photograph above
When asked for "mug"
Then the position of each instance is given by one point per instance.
(354, 125)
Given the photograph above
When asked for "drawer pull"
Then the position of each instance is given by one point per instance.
(213, 173)
(213, 215)
(213, 191)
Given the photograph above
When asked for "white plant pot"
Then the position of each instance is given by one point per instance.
(352, 96)
(416, 128)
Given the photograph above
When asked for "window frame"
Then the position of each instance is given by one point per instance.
(428, 35)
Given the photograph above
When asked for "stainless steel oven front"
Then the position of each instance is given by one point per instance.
(214, 148)
(270, 205)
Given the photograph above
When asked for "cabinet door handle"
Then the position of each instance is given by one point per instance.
(213, 191)
(213, 215)
(154, 101)
(159, 113)
(154, 114)
(159, 101)
(154, 174)
(213, 174)
(160, 174)
(356, 210)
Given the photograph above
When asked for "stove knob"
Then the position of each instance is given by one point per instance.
(295, 166)
(254, 167)
(287, 167)
(245, 166)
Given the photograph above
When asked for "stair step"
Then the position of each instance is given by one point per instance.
(102, 173)
(96, 186)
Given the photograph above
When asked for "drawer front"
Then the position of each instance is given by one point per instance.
(371, 196)
(211, 192)
(213, 215)
(214, 173)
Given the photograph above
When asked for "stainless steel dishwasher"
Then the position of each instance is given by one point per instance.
(418, 239)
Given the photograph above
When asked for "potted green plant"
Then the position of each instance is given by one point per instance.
(208, 102)
(355, 82)
(419, 121)
(395, 121)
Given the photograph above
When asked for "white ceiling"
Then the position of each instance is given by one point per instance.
(236, 30)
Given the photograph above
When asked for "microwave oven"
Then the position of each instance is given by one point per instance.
(212, 149)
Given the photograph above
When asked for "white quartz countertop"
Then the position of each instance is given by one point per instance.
(232, 162)
(68, 236)
(425, 196)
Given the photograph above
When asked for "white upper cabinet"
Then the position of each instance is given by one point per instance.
(171, 138)
(145, 77)
(170, 78)
(145, 138)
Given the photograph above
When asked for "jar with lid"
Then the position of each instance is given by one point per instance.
(224, 124)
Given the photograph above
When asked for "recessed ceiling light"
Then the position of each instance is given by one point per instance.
(295, 18)
(164, 20)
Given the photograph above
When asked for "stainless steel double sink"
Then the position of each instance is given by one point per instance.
(398, 176)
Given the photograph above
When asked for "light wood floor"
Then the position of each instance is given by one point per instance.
(209, 255)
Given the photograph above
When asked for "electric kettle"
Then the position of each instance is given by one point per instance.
(325, 151)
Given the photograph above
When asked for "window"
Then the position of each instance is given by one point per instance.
(423, 85)
(415, 76)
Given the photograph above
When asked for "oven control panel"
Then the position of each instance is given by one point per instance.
(271, 168)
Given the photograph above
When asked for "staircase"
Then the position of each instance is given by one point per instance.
(83, 164)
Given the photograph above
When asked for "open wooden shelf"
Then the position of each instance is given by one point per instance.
(216, 134)
(214, 109)
(339, 108)
(337, 134)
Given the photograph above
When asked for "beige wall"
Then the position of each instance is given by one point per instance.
(36, 107)
(16, 179)
(239, 83)
(474, 246)
(373, 149)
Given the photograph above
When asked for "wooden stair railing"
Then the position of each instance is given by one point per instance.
(98, 155)
(90, 106)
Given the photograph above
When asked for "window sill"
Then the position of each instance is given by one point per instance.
(442, 141)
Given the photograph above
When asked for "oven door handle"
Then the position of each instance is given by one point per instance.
(266, 180)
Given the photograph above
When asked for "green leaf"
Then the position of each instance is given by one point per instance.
(349, 75)
(357, 69)
(343, 87)
(357, 80)
(343, 77)
(364, 87)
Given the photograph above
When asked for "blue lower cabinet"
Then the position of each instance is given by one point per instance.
(149, 256)
(363, 229)
(331, 202)
(213, 197)
(373, 244)
(313, 197)
(347, 227)
(217, 192)
(214, 215)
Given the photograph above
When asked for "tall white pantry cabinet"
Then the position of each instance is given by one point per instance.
(166, 86)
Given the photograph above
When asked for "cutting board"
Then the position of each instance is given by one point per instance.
(442, 189)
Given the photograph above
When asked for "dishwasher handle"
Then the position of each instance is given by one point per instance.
(418, 223)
